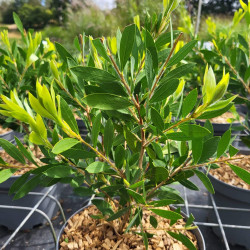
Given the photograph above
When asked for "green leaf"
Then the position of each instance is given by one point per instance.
(157, 119)
(178, 136)
(27, 187)
(126, 45)
(243, 42)
(101, 49)
(167, 214)
(197, 147)
(165, 38)
(190, 220)
(189, 102)
(149, 71)
(132, 222)
(5, 174)
(189, 185)
(162, 203)
(223, 143)
(77, 154)
(108, 136)
(166, 88)
(209, 148)
(194, 131)
(215, 113)
(59, 171)
(205, 180)
(150, 45)
(119, 214)
(83, 191)
(12, 150)
(93, 74)
(153, 221)
(97, 167)
(137, 197)
(232, 151)
(119, 156)
(63, 52)
(242, 173)
(106, 101)
(19, 182)
(64, 145)
(184, 239)
(18, 22)
(157, 174)
(103, 206)
(25, 152)
(68, 116)
(96, 129)
(181, 54)
(179, 71)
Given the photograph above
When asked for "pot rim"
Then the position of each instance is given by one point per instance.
(196, 232)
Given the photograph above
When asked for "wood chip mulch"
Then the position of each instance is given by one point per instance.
(84, 232)
(226, 174)
(224, 118)
(4, 130)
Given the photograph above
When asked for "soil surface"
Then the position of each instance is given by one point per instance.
(226, 174)
(226, 118)
(84, 232)
(4, 130)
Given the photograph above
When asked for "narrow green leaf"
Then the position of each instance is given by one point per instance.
(149, 71)
(181, 54)
(25, 152)
(119, 156)
(18, 183)
(97, 167)
(138, 197)
(103, 206)
(63, 52)
(242, 173)
(96, 129)
(197, 147)
(189, 220)
(157, 174)
(233, 151)
(205, 180)
(157, 119)
(77, 154)
(5, 174)
(106, 101)
(184, 239)
(209, 148)
(59, 171)
(93, 74)
(162, 203)
(64, 145)
(132, 222)
(150, 45)
(189, 102)
(166, 88)
(27, 187)
(18, 22)
(153, 221)
(167, 214)
(68, 116)
(243, 42)
(119, 214)
(179, 136)
(108, 136)
(12, 150)
(194, 131)
(179, 71)
(126, 44)
(223, 143)
(165, 38)
(189, 185)
(101, 49)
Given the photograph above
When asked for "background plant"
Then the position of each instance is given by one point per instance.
(142, 132)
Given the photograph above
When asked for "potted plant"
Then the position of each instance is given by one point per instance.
(128, 90)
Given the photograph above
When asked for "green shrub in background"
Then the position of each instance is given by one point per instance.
(142, 131)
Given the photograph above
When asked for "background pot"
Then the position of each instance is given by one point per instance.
(231, 196)
(196, 232)
(12, 218)
(82, 128)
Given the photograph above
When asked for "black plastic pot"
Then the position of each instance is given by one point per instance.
(82, 128)
(233, 197)
(11, 218)
(196, 232)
